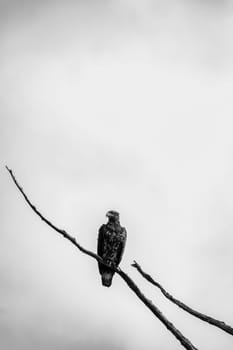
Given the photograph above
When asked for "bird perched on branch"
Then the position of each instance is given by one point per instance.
(111, 244)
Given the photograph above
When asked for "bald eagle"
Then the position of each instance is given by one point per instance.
(111, 244)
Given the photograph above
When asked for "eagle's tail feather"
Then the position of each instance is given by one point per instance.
(107, 278)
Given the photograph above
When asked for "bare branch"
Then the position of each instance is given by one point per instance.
(220, 324)
(183, 340)
(62, 232)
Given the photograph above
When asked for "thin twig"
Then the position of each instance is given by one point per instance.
(220, 324)
(183, 340)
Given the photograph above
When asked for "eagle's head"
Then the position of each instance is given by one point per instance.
(113, 215)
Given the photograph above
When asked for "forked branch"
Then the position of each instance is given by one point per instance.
(183, 340)
(220, 324)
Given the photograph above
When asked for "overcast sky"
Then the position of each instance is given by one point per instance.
(123, 105)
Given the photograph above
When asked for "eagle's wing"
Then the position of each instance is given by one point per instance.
(121, 248)
(100, 245)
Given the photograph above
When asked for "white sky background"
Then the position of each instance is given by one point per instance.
(122, 105)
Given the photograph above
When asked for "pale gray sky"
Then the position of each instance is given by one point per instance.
(122, 105)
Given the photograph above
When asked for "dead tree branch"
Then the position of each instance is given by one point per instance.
(183, 340)
(220, 324)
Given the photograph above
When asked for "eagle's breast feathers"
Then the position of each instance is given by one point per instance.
(112, 242)
(113, 245)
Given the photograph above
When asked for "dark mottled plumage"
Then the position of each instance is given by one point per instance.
(111, 244)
